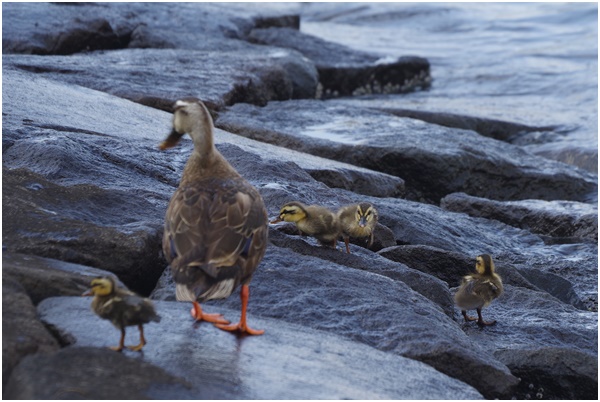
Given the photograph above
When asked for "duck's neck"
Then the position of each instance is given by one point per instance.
(206, 162)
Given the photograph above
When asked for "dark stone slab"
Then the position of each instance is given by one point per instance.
(346, 72)
(364, 299)
(92, 227)
(418, 152)
(45, 277)
(559, 219)
(94, 373)
(22, 332)
(277, 365)
(553, 373)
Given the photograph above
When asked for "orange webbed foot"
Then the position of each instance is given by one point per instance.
(136, 348)
(241, 328)
(198, 315)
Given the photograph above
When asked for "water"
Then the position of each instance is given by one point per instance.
(530, 63)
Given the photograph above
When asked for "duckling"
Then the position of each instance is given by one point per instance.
(122, 307)
(216, 224)
(479, 289)
(359, 221)
(312, 220)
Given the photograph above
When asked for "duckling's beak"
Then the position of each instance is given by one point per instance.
(88, 293)
(362, 221)
(276, 220)
(171, 140)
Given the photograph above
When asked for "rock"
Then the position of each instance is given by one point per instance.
(22, 332)
(450, 267)
(320, 288)
(345, 72)
(82, 224)
(245, 73)
(529, 319)
(94, 373)
(553, 373)
(45, 277)
(507, 131)
(562, 219)
(55, 28)
(406, 148)
(316, 365)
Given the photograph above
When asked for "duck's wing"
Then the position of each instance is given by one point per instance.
(215, 228)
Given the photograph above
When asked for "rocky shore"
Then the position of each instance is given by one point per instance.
(87, 91)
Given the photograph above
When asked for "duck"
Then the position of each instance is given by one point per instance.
(216, 224)
(313, 220)
(358, 221)
(122, 307)
(479, 289)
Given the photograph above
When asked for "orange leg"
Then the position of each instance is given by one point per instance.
(121, 342)
(242, 326)
(467, 318)
(481, 322)
(198, 315)
(142, 340)
(347, 241)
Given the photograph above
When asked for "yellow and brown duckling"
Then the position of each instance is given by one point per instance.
(122, 307)
(357, 221)
(479, 289)
(313, 220)
(216, 223)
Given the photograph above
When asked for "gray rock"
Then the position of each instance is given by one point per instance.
(82, 224)
(245, 73)
(316, 365)
(356, 304)
(551, 218)
(418, 152)
(450, 267)
(94, 373)
(58, 28)
(22, 332)
(45, 277)
(553, 373)
(345, 72)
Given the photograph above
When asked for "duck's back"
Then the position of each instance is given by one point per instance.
(215, 236)
(478, 292)
(124, 309)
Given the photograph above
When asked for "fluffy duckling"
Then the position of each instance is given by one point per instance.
(122, 307)
(479, 289)
(359, 221)
(312, 220)
(216, 224)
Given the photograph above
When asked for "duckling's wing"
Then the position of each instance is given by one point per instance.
(214, 225)
(487, 290)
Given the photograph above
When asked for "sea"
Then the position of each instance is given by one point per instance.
(530, 63)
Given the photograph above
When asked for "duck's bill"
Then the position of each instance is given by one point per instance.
(88, 293)
(171, 140)
(276, 220)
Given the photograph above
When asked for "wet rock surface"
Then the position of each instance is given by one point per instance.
(85, 190)
(575, 220)
(453, 159)
(218, 365)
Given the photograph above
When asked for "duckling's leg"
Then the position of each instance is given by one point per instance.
(480, 320)
(347, 241)
(121, 342)
(467, 318)
(242, 326)
(142, 340)
(198, 315)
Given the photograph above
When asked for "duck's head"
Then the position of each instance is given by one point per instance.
(365, 214)
(192, 117)
(291, 212)
(485, 264)
(102, 286)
